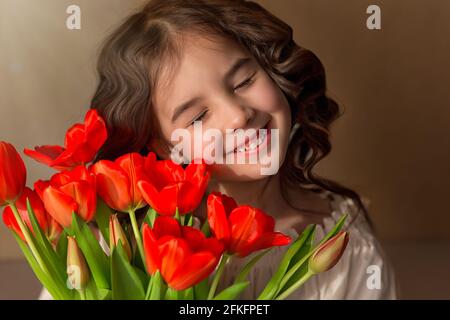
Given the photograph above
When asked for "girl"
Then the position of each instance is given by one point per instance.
(233, 65)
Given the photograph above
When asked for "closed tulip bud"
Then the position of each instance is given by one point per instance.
(329, 253)
(116, 233)
(77, 269)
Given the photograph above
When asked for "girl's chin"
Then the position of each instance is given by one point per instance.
(238, 172)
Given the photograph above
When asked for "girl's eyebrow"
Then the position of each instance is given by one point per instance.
(238, 64)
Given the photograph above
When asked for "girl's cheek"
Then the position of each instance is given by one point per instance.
(266, 96)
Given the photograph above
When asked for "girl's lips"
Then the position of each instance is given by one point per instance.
(261, 145)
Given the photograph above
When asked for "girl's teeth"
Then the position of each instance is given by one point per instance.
(255, 144)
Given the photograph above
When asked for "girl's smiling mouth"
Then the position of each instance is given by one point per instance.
(255, 143)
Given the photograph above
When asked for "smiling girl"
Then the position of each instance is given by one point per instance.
(233, 65)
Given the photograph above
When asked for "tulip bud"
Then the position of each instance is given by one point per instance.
(13, 174)
(77, 269)
(329, 253)
(116, 233)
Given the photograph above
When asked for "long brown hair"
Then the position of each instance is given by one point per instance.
(134, 54)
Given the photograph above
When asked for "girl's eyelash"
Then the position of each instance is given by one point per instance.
(245, 83)
(199, 117)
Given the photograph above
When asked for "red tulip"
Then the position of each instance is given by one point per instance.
(242, 229)
(117, 181)
(70, 191)
(82, 143)
(183, 255)
(21, 204)
(168, 186)
(55, 229)
(13, 174)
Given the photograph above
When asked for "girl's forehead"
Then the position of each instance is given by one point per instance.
(199, 58)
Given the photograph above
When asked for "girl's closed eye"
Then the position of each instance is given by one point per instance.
(246, 83)
(199, 117)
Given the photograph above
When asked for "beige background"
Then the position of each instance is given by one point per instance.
(392, 144)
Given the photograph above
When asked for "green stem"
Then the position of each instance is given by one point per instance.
(28, 238)
(137, 235)
(218, 275)
(82, 294)
(295, 286)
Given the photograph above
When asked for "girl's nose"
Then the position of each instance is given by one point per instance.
(238, 116)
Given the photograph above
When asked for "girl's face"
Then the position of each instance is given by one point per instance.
(227, 89)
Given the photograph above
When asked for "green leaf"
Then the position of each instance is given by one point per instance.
(201, 290)
(126, 284)
(232, 292)
(338, 226)
(187, 294)
(55, 264)
(248, 267)
(61, 247)
(172, 294)
(150, 217)
(155, 287)
(46, 280)
(206, 229)
(272, 286)
(102, 215)
(304, 250)
(95, 257)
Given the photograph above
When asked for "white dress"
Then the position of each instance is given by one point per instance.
(353, 277)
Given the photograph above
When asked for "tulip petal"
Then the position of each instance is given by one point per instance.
(60, 206)
(152, 256)
(194, 237)
(112, 185)
(84, 194)
(44, 154)
(173, 253)
(166, 226)
(264, 241)
(12, 173)
(195, 268)
(164, 202)
(133, 165)
(40, 187)
(217, 216)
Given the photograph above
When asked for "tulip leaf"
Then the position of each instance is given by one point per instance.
(206, 229)
(304, 250)
(201, 290)
(172, 294)
(94, 254)
(46, 280)
(55, 265)
(102, 214)
(126, 284)
(61, 247)
(150, 217)
(242, 276)
(272, 286)
(338, 226)
(155, 287)
(188, 294)
(94, 293)
(232, 292)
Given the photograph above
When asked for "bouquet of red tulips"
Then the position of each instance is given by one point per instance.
(163, 255)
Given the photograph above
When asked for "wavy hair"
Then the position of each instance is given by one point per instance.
(135, 53)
